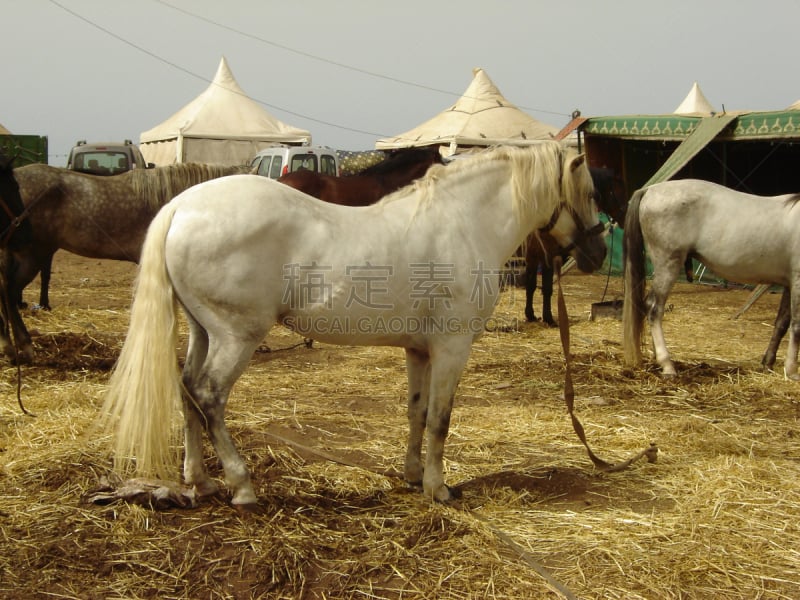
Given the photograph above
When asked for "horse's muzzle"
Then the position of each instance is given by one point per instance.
(589, 248)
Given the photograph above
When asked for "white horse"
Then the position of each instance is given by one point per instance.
(740, 237)
(418, 270)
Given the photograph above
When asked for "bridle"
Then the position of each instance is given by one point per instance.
(14, 221)
(582, 232)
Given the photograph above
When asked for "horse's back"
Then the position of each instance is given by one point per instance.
(739, 236)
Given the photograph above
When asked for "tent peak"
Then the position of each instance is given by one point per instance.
(695, 103)
(482, 116)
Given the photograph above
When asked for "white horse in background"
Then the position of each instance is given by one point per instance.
(740, 237)
(418, 270)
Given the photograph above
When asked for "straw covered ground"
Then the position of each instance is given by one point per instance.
(323, 430)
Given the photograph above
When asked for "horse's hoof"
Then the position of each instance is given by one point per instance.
(22, 357)
(446, 494)
(792, 376)
(205, 489)
(249, 509)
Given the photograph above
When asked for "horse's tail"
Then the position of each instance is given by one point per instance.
(145, 387)
(633, 309)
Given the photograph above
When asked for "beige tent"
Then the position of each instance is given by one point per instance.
(221, 126)
(3, 130)
(695, 104)
(481, 117)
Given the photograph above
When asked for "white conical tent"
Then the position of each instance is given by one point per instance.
(221, 126)
(794, 106)
(695, 104)
(481, 117)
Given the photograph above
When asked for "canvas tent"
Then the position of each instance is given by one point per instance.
(695, 104)
(481, 117)
(220, 126)
(750, 151)
(3, 130)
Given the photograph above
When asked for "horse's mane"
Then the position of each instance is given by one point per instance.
(158, 186)
(537, 176)
(402, 158)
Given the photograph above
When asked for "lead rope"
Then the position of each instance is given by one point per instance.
(521, 552)
(569, 390)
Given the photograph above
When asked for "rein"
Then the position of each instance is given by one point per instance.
(17, 220)
(569, 389)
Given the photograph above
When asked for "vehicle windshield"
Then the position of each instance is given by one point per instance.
(101, 163)
(306, 162)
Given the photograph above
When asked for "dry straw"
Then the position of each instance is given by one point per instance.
(716, 517)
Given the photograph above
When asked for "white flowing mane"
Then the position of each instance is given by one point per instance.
(537, 176)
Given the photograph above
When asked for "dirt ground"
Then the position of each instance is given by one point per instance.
(323, 430)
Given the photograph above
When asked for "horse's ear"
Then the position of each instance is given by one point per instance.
(577, 162)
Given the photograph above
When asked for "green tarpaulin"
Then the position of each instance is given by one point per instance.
(708, 129)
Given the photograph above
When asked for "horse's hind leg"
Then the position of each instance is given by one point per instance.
(531, 267)
(790, 366)
(547, 295)
(44, 278)
(419, 371)
(782, 321)
(194, 471)
(208, 386)
(664, 277)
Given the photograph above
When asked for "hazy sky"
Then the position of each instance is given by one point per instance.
(351, 71)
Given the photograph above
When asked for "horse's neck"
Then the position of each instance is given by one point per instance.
(34, 180)
(482, 201)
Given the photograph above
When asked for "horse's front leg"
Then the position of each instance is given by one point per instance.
(790, 366)
(21, 349)
(418, 368)
(447, 363)
(6, 346)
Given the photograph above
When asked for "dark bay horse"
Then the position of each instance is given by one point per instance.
(284, 257)
(97, 217)
(370, 185)
(740, 237)
(15, 235)
(539, 253)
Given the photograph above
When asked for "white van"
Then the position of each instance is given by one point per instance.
(280, 160)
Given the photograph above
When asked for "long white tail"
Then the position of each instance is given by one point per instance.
(145, 386)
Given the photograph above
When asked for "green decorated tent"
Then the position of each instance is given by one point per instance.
(752, 151)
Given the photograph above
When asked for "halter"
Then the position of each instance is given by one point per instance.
(582, 234)
(14, 222)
